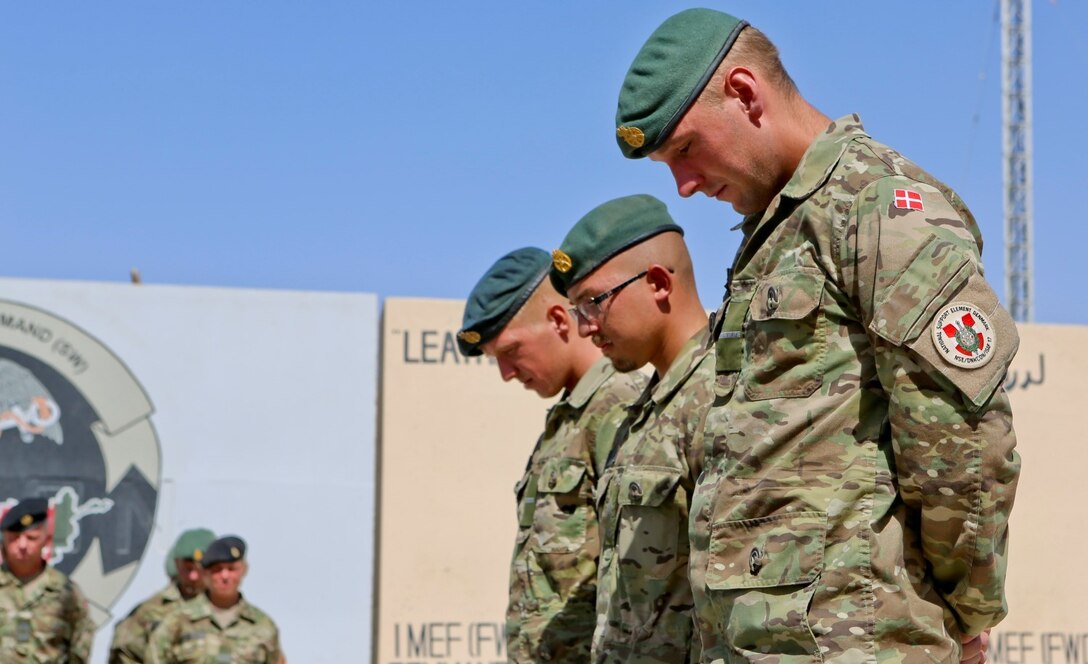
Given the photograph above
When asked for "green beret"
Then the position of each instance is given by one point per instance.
(25, 514)
(500, 294)
(668, 75)
(225, 550)
(606, 231)
(190, 545)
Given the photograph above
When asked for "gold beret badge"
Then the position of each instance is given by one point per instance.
(633, 136)
(562, 261)
(469, 336)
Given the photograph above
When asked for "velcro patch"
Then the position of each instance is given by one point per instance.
(906, 199)
(963, 335)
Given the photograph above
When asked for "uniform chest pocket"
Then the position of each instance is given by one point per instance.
(760, 578)
(786, 336)
(650, 532)
(54, 631)
(564, 506)
(194, 651)
(248, 653)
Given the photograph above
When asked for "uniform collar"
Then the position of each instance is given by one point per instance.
(171, 593)
(661, 388)
(822, 156)
(589, 383)
(816, 164)
(46, 580)
(202, 607)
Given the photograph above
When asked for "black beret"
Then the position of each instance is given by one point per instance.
(224, 550)
(498, 295)
(27, 513)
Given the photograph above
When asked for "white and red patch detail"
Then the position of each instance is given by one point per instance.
(907, 199)
(963, 335)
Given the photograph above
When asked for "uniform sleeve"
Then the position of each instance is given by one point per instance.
(942, 344)
(161, 640)
(275, 653)
(127, 636)
(83, 627)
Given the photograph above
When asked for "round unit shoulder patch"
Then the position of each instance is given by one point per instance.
(964, 336)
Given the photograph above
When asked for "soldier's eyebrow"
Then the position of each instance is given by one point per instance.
(507, 348)
(665, 150)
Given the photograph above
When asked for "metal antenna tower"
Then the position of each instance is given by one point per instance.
(1017, 155)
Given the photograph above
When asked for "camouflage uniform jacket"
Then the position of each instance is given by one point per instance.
(553, 577)
(644, 598)
(193, 635)
(46, 622)
(858, 484)
(131, 634)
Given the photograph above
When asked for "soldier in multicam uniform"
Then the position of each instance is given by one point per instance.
(861, 464)
(220, 626)
(186, 582)
(514, 315)
(43, 615)
(627, 270)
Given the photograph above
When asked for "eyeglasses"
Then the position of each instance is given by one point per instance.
(590, 310)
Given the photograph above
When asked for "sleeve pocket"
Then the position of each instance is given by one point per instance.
(902, 310)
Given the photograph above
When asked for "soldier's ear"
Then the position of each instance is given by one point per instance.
(660, 277)
(744, 86)
(559, 319)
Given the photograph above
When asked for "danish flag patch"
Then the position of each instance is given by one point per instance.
(905, 199)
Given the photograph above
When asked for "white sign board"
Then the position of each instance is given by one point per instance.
(145, 410)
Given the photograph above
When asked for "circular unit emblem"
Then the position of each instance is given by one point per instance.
(964, 336)
(75, 428)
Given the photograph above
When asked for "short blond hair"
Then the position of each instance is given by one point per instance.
(754, 50)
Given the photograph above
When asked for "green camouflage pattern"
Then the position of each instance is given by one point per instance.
(553, 576)
(858, 486)
(644, 603)
(131, 634)
(193, 635)
(46, 620)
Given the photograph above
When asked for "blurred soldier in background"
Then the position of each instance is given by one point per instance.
(183, 566)
(219, 626)
(43, 615)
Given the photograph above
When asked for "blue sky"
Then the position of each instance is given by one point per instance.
(400, 148)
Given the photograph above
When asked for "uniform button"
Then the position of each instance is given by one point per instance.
(552, 482)
(772, 300)
(635, 489)
(755, 560)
